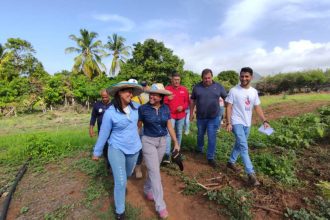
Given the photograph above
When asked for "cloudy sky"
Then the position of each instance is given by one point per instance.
(270, 36)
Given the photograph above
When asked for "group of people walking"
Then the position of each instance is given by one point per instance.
(132, 129)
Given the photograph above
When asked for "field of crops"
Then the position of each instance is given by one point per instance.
(63, 182)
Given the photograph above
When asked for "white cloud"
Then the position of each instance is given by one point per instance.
(242, 16)
(219, 53)
(125, 24)
(299, 12)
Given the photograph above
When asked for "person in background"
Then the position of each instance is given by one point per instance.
(120, 130)
(155, 117)
(96, 116)
(205, 96)
(178, 103)
(240, 102)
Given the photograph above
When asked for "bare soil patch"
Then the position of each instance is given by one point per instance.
(58, 187)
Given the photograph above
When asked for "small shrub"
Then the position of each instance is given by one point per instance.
(191, 186)
(319, 209)
(280, 168)
(237, 202)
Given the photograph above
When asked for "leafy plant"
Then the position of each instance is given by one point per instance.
(280, 168)
(318, 209)
(324, 186)
(237, 202)
(191, 186)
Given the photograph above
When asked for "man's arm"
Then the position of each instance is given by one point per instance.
(261, 115)
(229, 109)
(92, 123)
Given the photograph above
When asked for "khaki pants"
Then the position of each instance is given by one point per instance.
(153, 149)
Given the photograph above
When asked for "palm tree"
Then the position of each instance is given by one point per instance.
(119, 52)
(90, 53)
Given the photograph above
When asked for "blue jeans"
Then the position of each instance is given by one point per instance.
(241, 133)
(122, 166)
(187, 121)
(177, 125)
(211, 125)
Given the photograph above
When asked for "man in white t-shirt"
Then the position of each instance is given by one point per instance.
(240, 102)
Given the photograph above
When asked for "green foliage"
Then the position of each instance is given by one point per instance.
(152, 62)
(293, 82)
(191, 186)
(99, 185)
(228, 78)
(302, 214)
(281, 168)
(189, 79)
(59, 213)
(325, 117)
(91, 168)
(24, 210)
(42, 149)
(299, 132)
(237, 202)
(319, 209)
(324, 186)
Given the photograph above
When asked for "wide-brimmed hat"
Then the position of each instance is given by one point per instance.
(137, 89)
(158, 88)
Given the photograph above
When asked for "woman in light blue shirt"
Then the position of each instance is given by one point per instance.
(119, 129)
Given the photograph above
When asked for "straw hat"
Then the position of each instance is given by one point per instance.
(158, 88)
(137, 89)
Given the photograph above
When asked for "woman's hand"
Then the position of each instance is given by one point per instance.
(229, 127)
(176, 146)
(95, 158)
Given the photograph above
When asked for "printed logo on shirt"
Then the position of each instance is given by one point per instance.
(247, 103)
(100, 110)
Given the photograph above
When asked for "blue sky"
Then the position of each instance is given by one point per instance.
(270, 36)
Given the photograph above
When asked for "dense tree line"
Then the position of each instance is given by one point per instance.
(305, 81)
(25, 86)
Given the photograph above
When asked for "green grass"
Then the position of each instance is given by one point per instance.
(303, 97)
(67, 131)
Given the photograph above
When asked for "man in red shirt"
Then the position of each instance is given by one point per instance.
(177, 103)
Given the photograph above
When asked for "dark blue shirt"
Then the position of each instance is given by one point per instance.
(207, 99)
(97, 113)
(154, 121)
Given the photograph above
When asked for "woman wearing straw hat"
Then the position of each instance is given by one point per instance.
(119, 129)
(155, 117)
